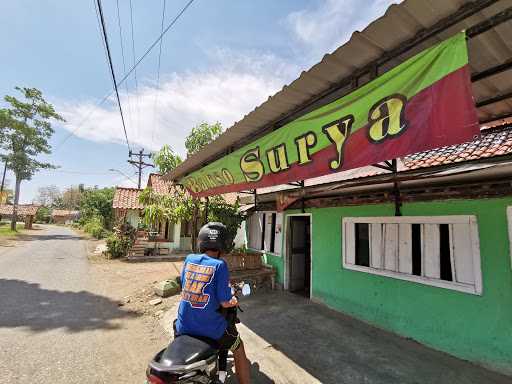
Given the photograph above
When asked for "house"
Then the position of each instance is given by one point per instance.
(64, 216)
(392, 206)
(126, 205)
(26, 212)
(171, 236)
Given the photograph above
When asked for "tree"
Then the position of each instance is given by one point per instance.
(48, 196)
(26, 128)
(71, 198)
(202, 135)
(229, 214)
(97, 203)
(43, 215)
(166, 160)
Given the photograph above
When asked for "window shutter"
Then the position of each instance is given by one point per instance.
(463, 253)
(376, 246)
(254, 231)
(405, 248)
(390, 247)
(279, 233)
(431, 260)
(350, 243)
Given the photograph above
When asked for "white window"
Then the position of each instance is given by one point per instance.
(442, 251)
(265, 231)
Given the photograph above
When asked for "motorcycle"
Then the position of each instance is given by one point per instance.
(194, 360)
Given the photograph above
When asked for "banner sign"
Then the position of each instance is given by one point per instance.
(424, 103)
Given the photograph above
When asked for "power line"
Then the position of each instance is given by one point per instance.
(158, 76)
(124, 61)
(112, 71)
(105, 98)
(137, 102)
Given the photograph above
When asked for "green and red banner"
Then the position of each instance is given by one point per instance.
(424, 103)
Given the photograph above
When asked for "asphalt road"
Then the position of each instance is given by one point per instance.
(57, 322)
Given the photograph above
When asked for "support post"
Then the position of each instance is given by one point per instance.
(396, 189)
(302, 206)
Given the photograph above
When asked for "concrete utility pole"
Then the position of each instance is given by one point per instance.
(3, 181)
(140, 164)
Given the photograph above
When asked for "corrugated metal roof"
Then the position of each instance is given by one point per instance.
(400, 23)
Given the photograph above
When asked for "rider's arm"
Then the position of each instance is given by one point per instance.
(231, 303)
(223, 291)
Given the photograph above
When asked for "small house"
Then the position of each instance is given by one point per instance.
(65, 216)
(26, 212)
(126, 205)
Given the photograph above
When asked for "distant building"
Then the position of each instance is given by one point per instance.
(63, 216)
(26, 212)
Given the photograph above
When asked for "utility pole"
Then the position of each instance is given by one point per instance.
(3, 183)
(140, 164)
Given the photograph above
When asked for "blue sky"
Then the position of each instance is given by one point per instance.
(220, 60)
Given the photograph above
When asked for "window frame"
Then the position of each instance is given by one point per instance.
(263, 217)
(475, 289)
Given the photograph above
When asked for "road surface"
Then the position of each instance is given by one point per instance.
(57, 321)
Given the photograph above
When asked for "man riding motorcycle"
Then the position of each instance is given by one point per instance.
(205, 288)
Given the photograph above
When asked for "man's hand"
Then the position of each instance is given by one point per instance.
(231, 303)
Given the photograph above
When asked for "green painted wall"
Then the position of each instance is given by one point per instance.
(477, 328)
(277, 263)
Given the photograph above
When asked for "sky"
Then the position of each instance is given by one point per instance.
(219, 61)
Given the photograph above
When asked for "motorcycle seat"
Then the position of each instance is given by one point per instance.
(185, 350)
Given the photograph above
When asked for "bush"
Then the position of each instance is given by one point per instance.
(120, 241)
(118, 246)
(43, 215)
(94, 226)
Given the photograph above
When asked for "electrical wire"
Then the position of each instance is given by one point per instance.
(112, 72)
(124, 62)
(137, 101)
(105, 98)
(158, 76)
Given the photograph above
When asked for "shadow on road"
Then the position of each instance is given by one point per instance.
(24, 304)
(30, 237)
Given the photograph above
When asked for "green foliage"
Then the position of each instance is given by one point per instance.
(157, 208)
(97, 203)
(202, 135)
(166, 160)
(121, 240)
(43, 215)
(94, 226)
(25, 130)
(228, 214)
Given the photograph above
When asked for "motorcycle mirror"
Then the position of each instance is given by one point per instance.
(246, 290)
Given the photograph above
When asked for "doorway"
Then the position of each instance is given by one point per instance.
(299, 255)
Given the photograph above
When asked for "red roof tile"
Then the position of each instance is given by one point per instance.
(23, 209)
(65, 213)
(159, 185)
(491, 142)
(127, 198)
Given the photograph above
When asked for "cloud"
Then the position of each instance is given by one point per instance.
(236, 84)
(332, 22)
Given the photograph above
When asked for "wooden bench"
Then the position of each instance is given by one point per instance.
(249, 267)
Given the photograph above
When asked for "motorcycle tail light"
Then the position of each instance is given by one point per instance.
(152, 379)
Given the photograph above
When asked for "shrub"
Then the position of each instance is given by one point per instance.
(117, 246)
(120, 241)
(94, 226)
